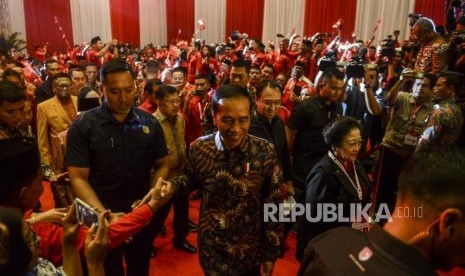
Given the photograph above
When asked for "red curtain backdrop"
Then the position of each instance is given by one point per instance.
(321, 15)
(124, 16)
(434, 9)
(41, 27)
(180, 16)
(245, 16)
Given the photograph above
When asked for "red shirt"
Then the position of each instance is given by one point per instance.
(194, 128)
(206, 66)
(284, 114)
(281, 65)
(93, 57)
(148, 107)
(51, 235)
(286, 99)
(192, 69)
(259, 59)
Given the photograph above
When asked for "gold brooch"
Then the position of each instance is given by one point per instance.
(146, 129)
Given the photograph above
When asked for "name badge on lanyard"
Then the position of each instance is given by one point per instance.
(411, 138)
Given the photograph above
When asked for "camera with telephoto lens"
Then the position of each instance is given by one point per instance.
(329, 60)
(388, 47)
(356, 68)
(456, 3)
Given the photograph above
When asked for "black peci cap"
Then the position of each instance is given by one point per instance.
(19, 157)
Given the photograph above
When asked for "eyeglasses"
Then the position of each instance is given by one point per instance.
(63, 86)
(173, 102)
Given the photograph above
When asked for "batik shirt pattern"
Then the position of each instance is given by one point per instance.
(443, 125)
(235, 184)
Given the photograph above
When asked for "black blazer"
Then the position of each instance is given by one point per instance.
(327, 183)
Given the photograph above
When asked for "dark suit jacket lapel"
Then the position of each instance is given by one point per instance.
(343, 179)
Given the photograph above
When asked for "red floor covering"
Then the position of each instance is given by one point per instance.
(170, 261)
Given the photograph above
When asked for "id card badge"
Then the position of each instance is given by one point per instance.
(361, 226)
(411, 138)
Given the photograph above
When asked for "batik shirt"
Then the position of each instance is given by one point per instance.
(9, 132)
(433, 56)
(443, 125)
(235, 184)
(174, 132)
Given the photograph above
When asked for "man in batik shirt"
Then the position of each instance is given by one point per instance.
(433, 56)
(237, 174)
(446, 120)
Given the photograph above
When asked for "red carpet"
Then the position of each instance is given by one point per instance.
(170, 261)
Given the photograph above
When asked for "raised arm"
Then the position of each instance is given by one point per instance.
(372, 104)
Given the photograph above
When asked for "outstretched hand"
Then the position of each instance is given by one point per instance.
(158, 195)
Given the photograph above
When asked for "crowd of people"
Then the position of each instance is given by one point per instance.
(237, 125)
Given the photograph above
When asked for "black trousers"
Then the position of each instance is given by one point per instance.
(388, 169)
(136, 253)
(180, 203)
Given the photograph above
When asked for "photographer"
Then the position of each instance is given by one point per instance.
(408, 121)
(457, 44)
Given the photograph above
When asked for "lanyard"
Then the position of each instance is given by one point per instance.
(356, 185)
(416, 109)
(199, 104)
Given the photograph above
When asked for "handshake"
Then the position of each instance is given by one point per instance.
(159, 195)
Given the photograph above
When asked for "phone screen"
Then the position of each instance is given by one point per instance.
(297, 90)
(85, 214)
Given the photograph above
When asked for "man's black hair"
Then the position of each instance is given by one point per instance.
(117, 65)
(61, 75)
(452, 78)
(331, 72)
(19, 164)
(271, 84)
(12, 73)
(50, 61)
(149, 85)
(90, 63)
(434, 176)
(10, 92)
(242, 63)
(164, 90)
(230, 91)
(183, 70)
